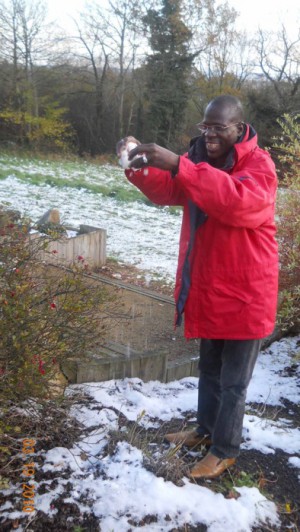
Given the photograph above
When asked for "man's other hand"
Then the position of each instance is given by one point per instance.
(153, 155)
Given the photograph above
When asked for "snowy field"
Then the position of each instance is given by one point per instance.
(137, 234)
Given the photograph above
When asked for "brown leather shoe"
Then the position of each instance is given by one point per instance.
(211, 466)
(189, 438)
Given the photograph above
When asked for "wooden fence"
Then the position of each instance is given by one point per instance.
(89, 244)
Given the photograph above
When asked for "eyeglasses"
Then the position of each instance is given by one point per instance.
(214, 129)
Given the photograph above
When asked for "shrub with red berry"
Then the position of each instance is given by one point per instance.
(47, 313)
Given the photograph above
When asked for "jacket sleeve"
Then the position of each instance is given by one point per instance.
(244, 198)
(157, 185)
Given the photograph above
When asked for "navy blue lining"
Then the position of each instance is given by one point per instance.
(197, 218)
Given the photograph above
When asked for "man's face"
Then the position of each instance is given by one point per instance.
(219, 141)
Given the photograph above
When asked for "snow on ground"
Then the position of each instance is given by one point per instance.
(137, 233)
(119, 486)
(269, 386)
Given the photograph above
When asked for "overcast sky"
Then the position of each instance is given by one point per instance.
(268, 14)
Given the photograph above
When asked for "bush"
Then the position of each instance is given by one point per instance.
(288, 226)
(48, 131)
(46, 314)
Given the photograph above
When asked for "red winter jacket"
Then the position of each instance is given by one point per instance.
(227, 275)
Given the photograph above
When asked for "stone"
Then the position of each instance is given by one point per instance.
(52, 216)
(50, 221)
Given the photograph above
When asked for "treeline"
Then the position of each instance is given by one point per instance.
(142, 69)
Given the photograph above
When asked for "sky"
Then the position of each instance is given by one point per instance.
(120, 490)
(268, 14)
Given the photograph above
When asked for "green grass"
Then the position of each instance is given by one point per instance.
(104, 179)
(79, 175)
(228, 483)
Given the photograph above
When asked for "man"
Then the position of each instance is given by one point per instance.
(227, 276)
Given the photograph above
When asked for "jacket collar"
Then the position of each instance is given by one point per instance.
(246, 143)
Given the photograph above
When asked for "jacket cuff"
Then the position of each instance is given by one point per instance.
(186, 168)
(175, 172)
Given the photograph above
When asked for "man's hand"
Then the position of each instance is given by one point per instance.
(153, 155)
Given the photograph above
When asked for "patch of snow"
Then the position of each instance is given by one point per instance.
(269, 383)
(266, 435)
(137, 234)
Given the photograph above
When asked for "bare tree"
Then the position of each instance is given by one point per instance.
(218, 60)
(222, 63)
(31, 24)
(279, 61)
(24, 42)
(122, 24)
(109, 46)
(10, 45)
(96, 55)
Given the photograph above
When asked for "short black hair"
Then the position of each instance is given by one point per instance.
(229, 101)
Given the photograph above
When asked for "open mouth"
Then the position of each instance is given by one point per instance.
(212, 147)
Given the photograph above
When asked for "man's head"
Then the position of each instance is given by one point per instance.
(226, 113)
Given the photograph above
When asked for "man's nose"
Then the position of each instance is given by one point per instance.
(210, 132)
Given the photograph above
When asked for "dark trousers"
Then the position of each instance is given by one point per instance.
(226, 368)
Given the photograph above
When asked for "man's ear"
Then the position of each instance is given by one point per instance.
(240, 128)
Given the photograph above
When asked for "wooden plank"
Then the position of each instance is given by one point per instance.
(95, 368)
(146, 367)
(133, 367)
(153, 368)
(117, 369)
(69, 369)
(195, 367)
(178, 371)
(99, 372)
(90, 245)
(121, 349)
